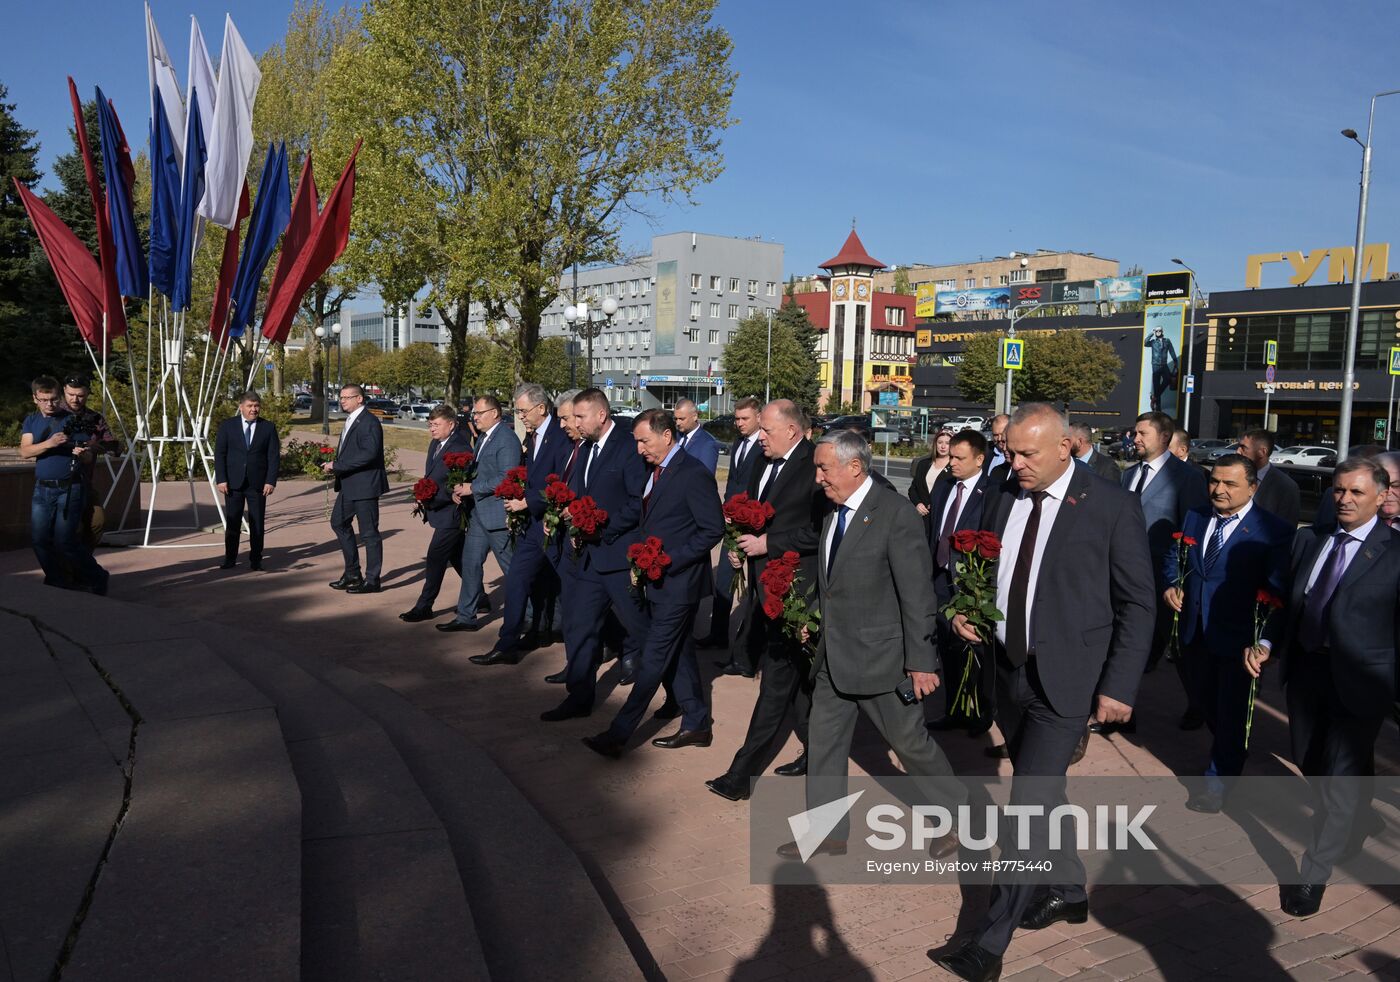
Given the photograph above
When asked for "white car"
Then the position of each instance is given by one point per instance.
(961, 423)
(1301, 456)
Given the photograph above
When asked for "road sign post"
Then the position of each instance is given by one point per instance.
(1390, 403)
(1270, 353)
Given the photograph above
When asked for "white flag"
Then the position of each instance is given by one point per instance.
(200, 79)
(230, 135)
(160, 74)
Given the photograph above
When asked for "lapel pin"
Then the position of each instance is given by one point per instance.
(865, 520)
(1071, 499)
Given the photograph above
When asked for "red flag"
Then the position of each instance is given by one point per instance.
(73, 266)
(128, 169)
(228, 269)
(304, 211)
(111, 294)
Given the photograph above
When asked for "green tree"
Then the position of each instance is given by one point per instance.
(1063, 367)
(517, 133)
(746, 362)
(420, 366)
(793, 317)
(361, 362)
(550, 366)
(901, 283)
(835, 407)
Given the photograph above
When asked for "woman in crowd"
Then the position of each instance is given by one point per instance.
(927, 470)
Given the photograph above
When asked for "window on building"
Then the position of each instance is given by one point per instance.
(986, 281)
(695, 310)
(770, 289)
(753, 287)
(695, 281)
(733, 284)
(1003, 280)
(731, 338)
(950, 284)
(734, 311)
(633, 285)
(969, 282)
(643, 364)
(693, 335)
(714, 310)
(894, 316)
(646, 311)
(752, 311)
(1020, 276)
(714, 337)
(1049, 275)
(607, 289)
(694, 363)
(631, 314)
(716, 283)
(631, 364)
(645, 338)
(631, 338)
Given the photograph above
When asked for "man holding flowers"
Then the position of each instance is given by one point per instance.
(441, 511)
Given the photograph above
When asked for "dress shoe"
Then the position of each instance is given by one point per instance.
(1301, 899)
(971, 962)
(1051, 908)
(999, 752)
(945, 846)
(684, 738)
(564, 711)
(496, 657)
(415, 615)
(729, 786)
(1191, 720)
(1208, 802)
(369, 586)
(629, 671)
(483, 606)
(798, 768)
(558, 678)
(529, 641)
(828, 847)
(227, 564)
(668, 710)
(605, 744)
(459, 626)
(734, 668)
(255, 565)
(346, 582)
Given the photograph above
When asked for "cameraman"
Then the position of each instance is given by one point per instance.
(60, 491)
(90, 432)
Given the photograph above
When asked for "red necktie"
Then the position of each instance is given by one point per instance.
(569, 467)
(655, 480)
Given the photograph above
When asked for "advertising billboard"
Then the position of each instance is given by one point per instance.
(1025, 294)
(665, 329)
(963, 301)
(1080, 291)
(1167, 287)
(925, 300)
(1159, 384)
(1120, 289)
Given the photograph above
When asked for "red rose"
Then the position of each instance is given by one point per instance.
(965, 541)
(773, 607)
(989, 546)
(1178, 535)
(425, 490)
(1189, 541)
(458, 461)
(517, 474)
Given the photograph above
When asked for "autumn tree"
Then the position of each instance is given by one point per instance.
(745, 362)
(1060, 367)
(507, 139)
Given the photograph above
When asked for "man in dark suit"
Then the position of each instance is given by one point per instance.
(557, 550)
(996, 465)
(247, 456)
(1337, 636)
(786, 479)
(875, 649)
(360, 480)
(1167, 489)
(444, 516)
(1241, 549)
(1082, 447)
(692, 437)
(680, 506)
(497, 451)
(610, 471)
(1278, 493)
(743, 453)
(956, 505)
(1075, 583)
(531, 580)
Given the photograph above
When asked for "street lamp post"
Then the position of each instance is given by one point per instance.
(768, 374)
(326, 339)
(609, 310)
(1357, 266)
(1191, 350)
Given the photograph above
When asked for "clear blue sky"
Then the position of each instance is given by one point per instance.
(950, 130)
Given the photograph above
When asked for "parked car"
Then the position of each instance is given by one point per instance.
(383, 408)
(302, 403)
(960, 423)
(1302, 455)
(420, 410)
(722, 429)
(861, 424)
(1202, 449)
(891, 435)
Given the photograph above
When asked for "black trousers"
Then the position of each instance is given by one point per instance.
(783, 687)
(365, 512)
(234, 503)
(1335, 748)
(1041, 743)
(444, 550)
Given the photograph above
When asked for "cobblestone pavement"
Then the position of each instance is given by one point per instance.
(673, 857)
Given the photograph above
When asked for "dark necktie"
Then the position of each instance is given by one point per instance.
(684, 438)
(835, 537)
(1217, 540)
(1018, 604)
(739, 456)
(569, 467)
(651, 488)
(1143, 471)
(248, 435)
(1312, 631)
(772, 479)
(588, 467)
(527, 452)
(950, 525)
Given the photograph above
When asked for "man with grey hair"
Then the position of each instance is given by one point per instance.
(693, 439)
(1075, 581)
(993, 465)
(875, 647)
(1082, 447)
(1390, 507)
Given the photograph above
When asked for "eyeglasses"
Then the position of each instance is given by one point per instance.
(522, 413)
(482, 412)
(47, 402)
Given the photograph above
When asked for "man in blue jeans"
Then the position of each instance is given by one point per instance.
(60, 495)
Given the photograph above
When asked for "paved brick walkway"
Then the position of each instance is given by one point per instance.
(673, 856)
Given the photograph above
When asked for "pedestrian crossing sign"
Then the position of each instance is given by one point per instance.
(1270, 352)
(1013, 353)
(1395, 361)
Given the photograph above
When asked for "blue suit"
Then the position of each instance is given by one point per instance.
(737, 481)
(597, 581)
(701, 446)
(683, 511)
(496, 452)
(444, 518)
(531, 575)
(1217, 622)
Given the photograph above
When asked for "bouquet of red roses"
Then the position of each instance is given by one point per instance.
(459, 471)
(1184, 544)
(557, 497)
(743, 516)
(1265, 603)
(975, 597)
(586, 521)
(648, 561)
(782, 601)
(326, 455)
(423, 492)
(512, 488)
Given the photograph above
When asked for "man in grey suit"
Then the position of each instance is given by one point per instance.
(1082, 447)
(875, 651)
(1074, 582)
(497, 451)
(359, 481)
(1277, 493)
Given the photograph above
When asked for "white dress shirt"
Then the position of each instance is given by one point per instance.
(598, 445)
(349, 422)
(1011, 546)
(852, 503)
(1352, 547)
(1157, 466)
(746, 449)
(539, 436)
(967, 486)
(768, 472)
(486, 436)
(1229, 529)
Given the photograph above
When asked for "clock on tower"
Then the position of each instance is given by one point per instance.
(862, 290)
